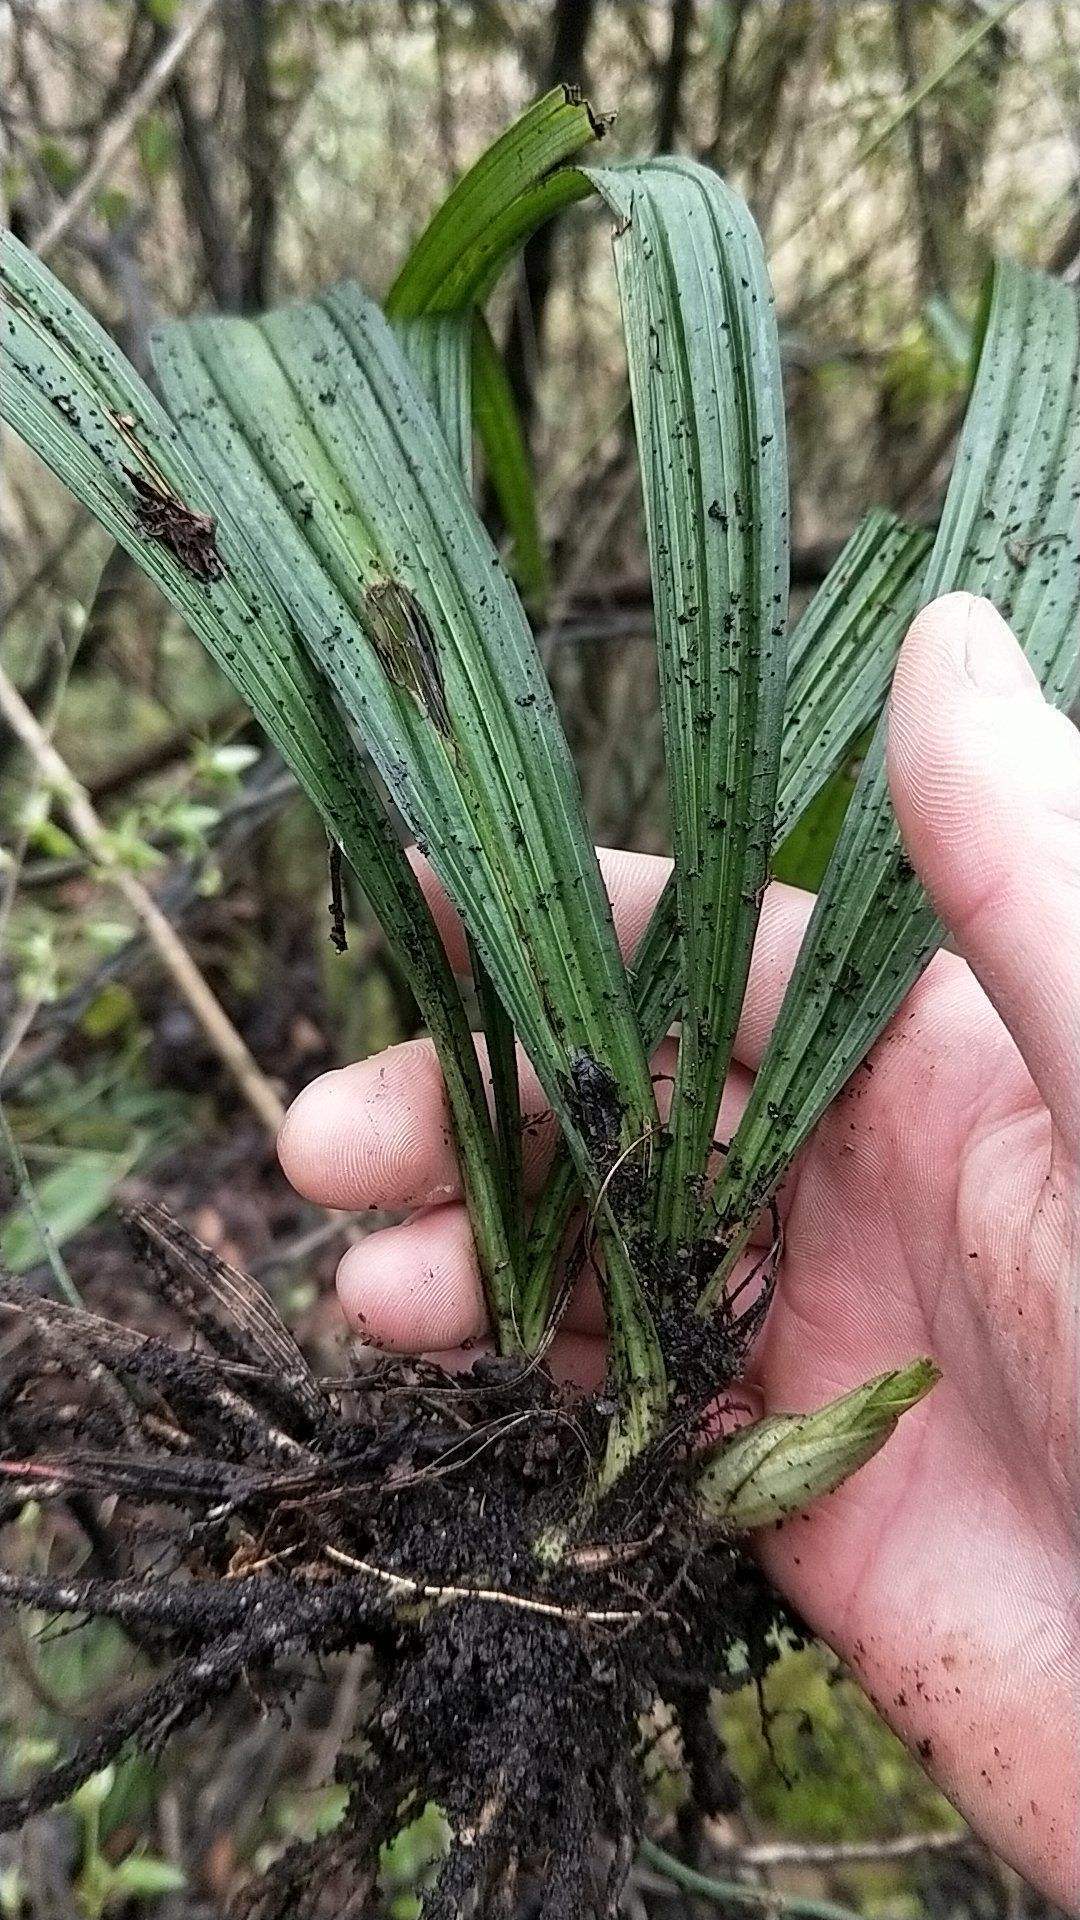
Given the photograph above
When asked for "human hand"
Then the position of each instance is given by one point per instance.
(935, 1209)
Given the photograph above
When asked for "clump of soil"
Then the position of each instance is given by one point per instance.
(264, 1518)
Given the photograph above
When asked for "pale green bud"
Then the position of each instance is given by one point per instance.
(777, 1466)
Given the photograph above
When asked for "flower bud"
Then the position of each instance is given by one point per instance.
(778, 1465)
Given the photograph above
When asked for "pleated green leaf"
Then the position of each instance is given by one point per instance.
(841, 655)
(312, 419)
(840, 660)
(312, 424)
(72, 396)
(479, 227)
(467, 279)
(802, 859)
(1009, 530)
(439, 348)
(509, 470)
(708, 401)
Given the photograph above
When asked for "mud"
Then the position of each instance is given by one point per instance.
(522, 1634)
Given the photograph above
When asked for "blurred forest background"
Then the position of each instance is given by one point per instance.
(170, 155)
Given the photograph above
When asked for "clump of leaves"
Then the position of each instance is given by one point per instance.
(531, 1571)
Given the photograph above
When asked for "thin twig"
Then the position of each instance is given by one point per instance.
(21, 1022)
(765, 1899)
(120, 130)
(843, 1853)
(92, 834)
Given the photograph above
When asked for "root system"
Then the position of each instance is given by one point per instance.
(521, 1638)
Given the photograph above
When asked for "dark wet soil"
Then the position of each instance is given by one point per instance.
(522, 1635)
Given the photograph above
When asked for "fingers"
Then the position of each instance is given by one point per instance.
(785, 912)
(417, 1286)
(377, 1134)
(634, 882)
(985, 779)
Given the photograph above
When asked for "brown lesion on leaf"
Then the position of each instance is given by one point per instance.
(190, 537)
(404, 642)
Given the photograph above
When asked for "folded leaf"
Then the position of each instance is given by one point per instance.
(478, 227)
(708, 401)
(489, 214)
(782, 1463)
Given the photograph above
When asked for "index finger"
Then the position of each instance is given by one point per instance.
(634, 883)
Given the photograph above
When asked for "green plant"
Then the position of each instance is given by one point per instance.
(303, 498)
(104, 1886)
(101, 1885)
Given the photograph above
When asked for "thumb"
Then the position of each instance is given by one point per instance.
(985, 779)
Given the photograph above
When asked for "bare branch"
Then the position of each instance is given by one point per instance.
(96, 841)
(117, 135)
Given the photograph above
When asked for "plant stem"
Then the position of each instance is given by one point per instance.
(764, 1898)
(24, 1186)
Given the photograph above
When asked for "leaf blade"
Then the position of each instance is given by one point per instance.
(842, 652)
(477, 227)
(873, 930)
(707, 393)
(440, 350)
(77, 402)
(362, 490)
(498, 426)
(313, 424)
